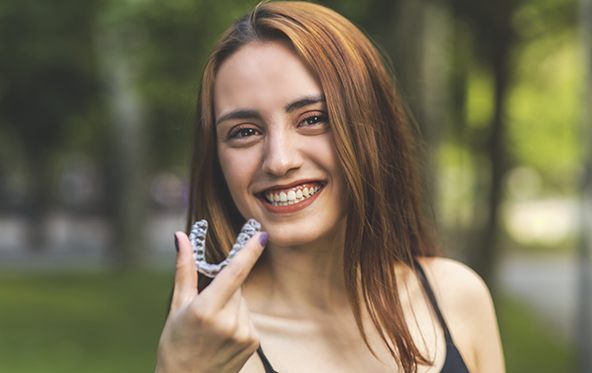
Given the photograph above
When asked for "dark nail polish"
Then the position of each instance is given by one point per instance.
(263, 238)
(176, 243)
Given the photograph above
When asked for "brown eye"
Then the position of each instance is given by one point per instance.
(243, 132)
(314, 120)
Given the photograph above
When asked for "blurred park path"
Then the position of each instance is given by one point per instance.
(76, 242)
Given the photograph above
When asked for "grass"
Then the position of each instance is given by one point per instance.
(529, 344)
(110, 322)
(100, 322)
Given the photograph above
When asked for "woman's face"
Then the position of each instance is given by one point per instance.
(275, 145)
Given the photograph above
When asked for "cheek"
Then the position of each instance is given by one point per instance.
(238, 168)
(325, 153)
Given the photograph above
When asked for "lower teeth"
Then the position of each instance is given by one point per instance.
(287, 203)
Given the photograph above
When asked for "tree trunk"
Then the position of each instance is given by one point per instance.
(458, 82)
(417, 50)
(37, 209)
(434, 88)
(126, 187)
(486, 255)
(584, 319)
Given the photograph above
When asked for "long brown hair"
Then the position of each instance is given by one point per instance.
(375, 146)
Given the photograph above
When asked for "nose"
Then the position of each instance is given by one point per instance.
(281, 154)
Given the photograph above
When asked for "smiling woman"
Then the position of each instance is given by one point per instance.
(282, 148)
(300, 128)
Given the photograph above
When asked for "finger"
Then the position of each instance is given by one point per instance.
(230, 279)
(185, 273)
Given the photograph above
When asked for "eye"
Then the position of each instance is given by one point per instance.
(242, 132)
(314, 120)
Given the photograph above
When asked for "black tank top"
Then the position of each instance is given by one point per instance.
(453, 363)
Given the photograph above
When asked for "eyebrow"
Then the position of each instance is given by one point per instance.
(249, 114)
(304, 102)
(238, 114)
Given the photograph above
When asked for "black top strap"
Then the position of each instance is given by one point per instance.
(265, 361)
(430, 293)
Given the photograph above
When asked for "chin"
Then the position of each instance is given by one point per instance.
(298, 235)
(290, 240)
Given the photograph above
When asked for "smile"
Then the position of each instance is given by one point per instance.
(294, 197)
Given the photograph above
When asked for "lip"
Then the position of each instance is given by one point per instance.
(291, 185)
(296, 206)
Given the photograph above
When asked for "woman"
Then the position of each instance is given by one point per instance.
(300, 128)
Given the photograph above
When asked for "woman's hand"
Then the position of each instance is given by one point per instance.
(210, 331)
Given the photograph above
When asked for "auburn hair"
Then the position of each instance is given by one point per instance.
(375, 147)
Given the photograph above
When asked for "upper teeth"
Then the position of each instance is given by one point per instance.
(289, 197)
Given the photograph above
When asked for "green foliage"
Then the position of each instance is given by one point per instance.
(49, 78)
(545, 109)
(479, 103)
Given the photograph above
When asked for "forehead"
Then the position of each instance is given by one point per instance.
(262, 76)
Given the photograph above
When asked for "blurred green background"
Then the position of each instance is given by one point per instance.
(97, 101)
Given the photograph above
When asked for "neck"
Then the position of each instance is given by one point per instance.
(299, 281)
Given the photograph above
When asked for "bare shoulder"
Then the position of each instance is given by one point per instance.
(461, 292)
(467, 307)
(455, 281)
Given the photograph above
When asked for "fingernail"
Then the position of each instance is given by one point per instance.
(263, 239)
(176, 243)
